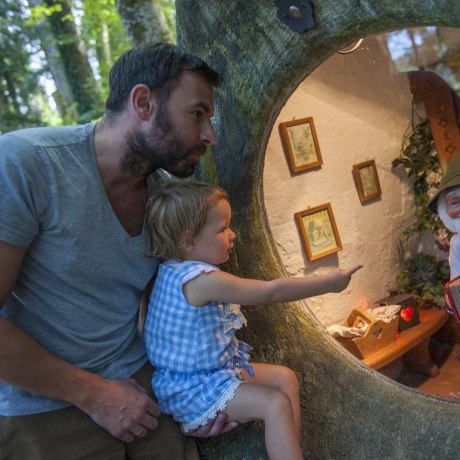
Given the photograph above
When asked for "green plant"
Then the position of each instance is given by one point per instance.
(420, 160)
(423, 275)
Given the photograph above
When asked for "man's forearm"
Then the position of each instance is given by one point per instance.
(26, 364)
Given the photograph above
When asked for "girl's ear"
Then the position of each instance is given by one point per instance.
(187, 242)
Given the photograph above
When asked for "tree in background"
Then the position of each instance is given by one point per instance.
(103, 31)
(149, 26)
(52, 64)
(68, 47)
(85, 90)
(20, 94)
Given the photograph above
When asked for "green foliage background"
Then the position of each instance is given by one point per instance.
(25, 72)
(422, 274)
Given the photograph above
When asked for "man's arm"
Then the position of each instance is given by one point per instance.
(119, 406)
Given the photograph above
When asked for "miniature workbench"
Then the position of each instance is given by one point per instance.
(412, 344)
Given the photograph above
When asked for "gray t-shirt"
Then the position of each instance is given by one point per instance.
(82, 278)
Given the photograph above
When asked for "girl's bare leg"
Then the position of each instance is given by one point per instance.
(259, 402)
(281, 378)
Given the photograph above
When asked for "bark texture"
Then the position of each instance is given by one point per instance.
(63, 96)
(144, 21)
(85, 91)
(349, 411)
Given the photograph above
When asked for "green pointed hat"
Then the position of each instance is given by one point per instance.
(450, 179)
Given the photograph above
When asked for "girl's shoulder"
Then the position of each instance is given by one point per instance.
(189, 269)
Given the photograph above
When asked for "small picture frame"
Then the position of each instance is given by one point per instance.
(366, 180)
(300, 144)
(318, 231)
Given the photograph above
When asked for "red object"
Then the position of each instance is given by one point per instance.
(407, 313)
(452, 290)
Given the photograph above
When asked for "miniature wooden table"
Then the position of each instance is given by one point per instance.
(413, 344)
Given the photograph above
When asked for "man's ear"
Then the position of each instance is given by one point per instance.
(143, 101)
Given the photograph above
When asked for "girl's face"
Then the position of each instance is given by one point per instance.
(453, 203)
(214, 242)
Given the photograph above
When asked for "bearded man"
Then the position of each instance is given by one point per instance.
(74, 377)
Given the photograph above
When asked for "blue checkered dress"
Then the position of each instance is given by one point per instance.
(197, 358)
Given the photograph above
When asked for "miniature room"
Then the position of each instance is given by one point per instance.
(360, 110)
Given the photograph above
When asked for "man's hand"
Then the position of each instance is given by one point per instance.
(213, 428)
(123, 408)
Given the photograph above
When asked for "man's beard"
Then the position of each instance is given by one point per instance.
(147, 152)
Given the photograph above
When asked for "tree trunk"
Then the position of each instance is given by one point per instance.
(86, 92)
(63, 96)
(144, 21)
(349, 411)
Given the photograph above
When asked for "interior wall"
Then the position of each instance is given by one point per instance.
(361, 109)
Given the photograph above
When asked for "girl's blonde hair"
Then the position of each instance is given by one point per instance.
(176, 212)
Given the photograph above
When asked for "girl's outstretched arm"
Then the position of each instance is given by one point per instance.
(224, 287)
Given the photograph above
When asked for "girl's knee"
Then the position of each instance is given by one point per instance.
(287, 379)
(280, 404)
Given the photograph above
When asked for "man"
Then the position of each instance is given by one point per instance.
(73, 270)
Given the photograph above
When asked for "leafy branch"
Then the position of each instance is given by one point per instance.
(423, 275)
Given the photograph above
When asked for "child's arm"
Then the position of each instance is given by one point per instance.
(224, 287)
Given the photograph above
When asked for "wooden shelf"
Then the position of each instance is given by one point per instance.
(413, 342)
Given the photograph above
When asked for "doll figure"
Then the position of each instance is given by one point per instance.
(446, 203)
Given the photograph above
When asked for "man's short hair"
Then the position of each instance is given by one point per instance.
(156, 65)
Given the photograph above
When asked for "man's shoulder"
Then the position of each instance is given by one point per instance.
(48, 136)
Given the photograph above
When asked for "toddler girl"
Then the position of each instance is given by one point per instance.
(200, 366)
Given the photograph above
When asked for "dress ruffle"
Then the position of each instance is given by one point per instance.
(217, 407)
(233, 318)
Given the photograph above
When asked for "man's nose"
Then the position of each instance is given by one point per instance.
(208, 134)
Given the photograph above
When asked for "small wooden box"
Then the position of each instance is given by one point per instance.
(408, 315)
(378, 334)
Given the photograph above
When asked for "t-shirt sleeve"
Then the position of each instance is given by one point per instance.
(23, 190)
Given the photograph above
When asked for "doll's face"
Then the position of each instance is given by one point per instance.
(453, 203)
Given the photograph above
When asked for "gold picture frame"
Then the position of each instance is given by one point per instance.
(300, 144)
(367, 180)
(318, 231)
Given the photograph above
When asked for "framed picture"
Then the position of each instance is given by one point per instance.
(318, 231)
(367, 180)
(300, 144)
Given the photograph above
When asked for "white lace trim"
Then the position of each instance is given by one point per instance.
(233, 318)
(218, 406)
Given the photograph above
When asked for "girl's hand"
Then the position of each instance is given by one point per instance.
(341, 278)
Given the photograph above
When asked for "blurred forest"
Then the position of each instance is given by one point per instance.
(55, 55)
